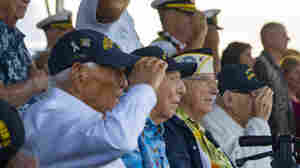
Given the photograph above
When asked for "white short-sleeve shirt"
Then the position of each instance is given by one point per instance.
(122, 31)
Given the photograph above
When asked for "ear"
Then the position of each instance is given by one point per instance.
(79, 76)
(228, 99)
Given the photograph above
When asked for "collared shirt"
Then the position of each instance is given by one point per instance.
(212, 156)
(63, 131)
(227, 132)
(122, 31)
(169, 44)
(151, 151)
(15, 59)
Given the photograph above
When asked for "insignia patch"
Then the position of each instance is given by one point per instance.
(107, 43)
(75, 47)
(4, 135)
(85, 42)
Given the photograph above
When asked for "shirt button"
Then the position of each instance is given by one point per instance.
(194, 148)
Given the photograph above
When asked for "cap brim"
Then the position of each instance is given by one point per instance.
(185, 69)
(118, 59)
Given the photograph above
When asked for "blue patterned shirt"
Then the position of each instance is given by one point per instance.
(151, 151)
(15, 60)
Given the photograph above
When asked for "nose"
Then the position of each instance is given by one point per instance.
(181, 88)
(123, 80)
(213, 87)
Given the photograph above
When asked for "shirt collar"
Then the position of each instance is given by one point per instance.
(222, 117)
(61, 97)
(150, 125)
(172, 39)
(183, 116)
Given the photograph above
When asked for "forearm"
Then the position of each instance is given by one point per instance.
(17, 94)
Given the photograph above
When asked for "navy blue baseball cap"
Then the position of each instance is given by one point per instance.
(87, 46)
(185, 68)
(238, 78)
(12, 132)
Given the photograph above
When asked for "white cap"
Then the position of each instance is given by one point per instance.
(62, 16)
(204, 61)
(156, 3)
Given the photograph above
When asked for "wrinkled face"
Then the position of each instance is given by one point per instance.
(201, 91)
(293, 79)
(246, 57)
(169, 95)
(110, 11)
(185, 24)
(280, 39)
(100, 87)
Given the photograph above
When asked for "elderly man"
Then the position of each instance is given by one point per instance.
(184, 27)
(19, 78)
(95, 121)
(151, 151)
(189, 145)
(54, 26)
(242, 108)
(111, 18)
(275, 39)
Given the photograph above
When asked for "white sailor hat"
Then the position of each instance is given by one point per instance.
(183, 5)
(211, 16)
(62, 19)
(202, 57)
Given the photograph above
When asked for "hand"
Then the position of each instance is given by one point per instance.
(148, 70)
(263, 103)
(23, 161)
(39, 79)
(199, 29)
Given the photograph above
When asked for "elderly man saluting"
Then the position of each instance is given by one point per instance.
(88, 121)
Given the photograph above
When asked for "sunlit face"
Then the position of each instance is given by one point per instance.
(184, 26)
(169, 96)
(201, 90)
(110, 11)
(246, 57)
(101, 87)
(280, 39)
(293, 79)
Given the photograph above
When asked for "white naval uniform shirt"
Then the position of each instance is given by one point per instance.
(64, 132)
(122, 31)
(227, 132)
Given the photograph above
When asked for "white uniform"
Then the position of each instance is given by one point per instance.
(122, 31)
(227, 132)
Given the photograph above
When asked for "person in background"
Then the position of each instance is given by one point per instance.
(290, 65)
(54, 26)
(96, 122)
(238, 53)
(184, 27)
(188, 144)
(212, 39)
(19, 78)
(242, 108)
(111, 18)
(151, 150)
(275, 40)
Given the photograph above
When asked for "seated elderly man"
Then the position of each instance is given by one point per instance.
(242, 108)
(151, 151)
(93, 121)
(188, 144)
(183, 26)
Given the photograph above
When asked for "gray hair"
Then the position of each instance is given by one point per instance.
(63, 77)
